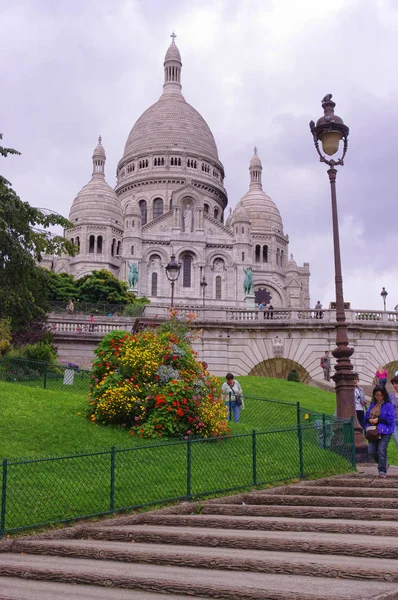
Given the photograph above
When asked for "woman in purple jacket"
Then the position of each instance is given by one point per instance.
(381, 413)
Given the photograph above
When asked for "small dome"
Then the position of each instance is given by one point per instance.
(96, 202)
(256, 205)
(172, 53)
(255, 162)
(291, 264)
(99, 150)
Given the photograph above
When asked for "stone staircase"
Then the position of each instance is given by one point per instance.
(331, 539)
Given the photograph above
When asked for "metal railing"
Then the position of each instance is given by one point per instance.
(95, 308)
(44, 491)
(45, 375)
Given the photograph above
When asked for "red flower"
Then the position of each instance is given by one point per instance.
(180, 412)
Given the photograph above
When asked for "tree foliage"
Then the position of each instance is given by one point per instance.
(24, 237)
(102, 286)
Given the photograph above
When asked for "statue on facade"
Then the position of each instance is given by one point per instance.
(248, 282)
(187, 218)
(133, 275)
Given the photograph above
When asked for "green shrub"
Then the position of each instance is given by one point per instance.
(293, 376)
(41, 351)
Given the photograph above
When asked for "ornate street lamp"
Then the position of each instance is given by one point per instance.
(329, 130)
(203, 285)
(384, 295)
(173, 272)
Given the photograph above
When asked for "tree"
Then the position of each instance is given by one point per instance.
(102, 286)
(24, 238)
(61, 287)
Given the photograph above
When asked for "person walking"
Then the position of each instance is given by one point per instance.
(318, 309)
(326, 364)
(394, 401)
(91, 326)
(380, 414)
(233, 396)
(360, 403)
(382, 375)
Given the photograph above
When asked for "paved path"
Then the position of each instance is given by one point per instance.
(331, 539)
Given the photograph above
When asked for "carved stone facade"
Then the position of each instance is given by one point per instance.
(170, 199)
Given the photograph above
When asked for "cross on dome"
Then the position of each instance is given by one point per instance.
(255, 150)
(173, 36)
(100, 139)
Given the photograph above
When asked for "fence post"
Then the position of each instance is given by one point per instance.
(112, 490)
(254, 453)
(354, 456)
(189, 464)
(300, 440)
(3, 499)
(324, 431)
(45, 377)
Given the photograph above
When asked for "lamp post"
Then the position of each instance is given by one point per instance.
(384, 295)
(173, 269)
(203, 285)
(329, 130)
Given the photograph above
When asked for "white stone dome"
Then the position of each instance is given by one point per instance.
(96, 202)
(259, 208)
(171, 124)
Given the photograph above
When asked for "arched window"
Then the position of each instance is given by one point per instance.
(155, 162)
(186, 271)
(157, 208)
(216, 211)
(78, 244)
(113, 247)
(132, 250)
(99, 244)
(282, 257)
(119, 246)
(91, 242)
(143, 210)
(72, 241)
(218, 287)
(206, 207)
(172, 161)
(243, 230)
(278, 253)
(265, 254)
(243, 256)
(171, 203)
(154, 284)
(257, 255)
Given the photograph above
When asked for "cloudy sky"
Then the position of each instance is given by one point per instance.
(256, 70)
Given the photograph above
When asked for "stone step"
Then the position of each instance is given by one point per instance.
(307, 512)
(228, 585)
(353, 492)
(382, 528)
(13, 588)
(358, 481)
(290, 500)
(288, 541)
(273, 562)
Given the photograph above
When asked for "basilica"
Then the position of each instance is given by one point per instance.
(170, 200)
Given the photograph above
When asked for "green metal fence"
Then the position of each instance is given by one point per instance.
(43, 491)
(45, 375)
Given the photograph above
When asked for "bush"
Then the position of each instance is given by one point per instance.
(41, 351)
(293, 376)
(5, 335)
(152, 383)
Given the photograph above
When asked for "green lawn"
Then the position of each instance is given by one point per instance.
(40, 423)
(36, 422)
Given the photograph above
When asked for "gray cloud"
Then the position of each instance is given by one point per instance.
(256, 71)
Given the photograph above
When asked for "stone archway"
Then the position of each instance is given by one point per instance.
(279, 368)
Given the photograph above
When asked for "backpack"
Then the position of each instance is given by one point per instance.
(322, 362)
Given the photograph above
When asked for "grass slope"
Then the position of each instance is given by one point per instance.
(36, 423)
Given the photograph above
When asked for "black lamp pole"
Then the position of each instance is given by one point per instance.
(329, 130)
(384, 295)
(173, 269)
(203, 285)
